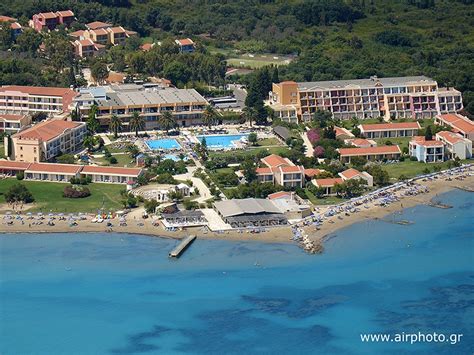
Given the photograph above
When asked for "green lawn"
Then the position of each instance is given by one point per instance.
(251, 151)
(268, 142)
(411, 168)
(114, 148)
(329, 200)
(122, 160)
(48, 196)
(401, 141)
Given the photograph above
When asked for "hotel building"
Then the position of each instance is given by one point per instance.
(149, 100)
(64, 172)
(458, 123)
(371, 153)
(456, 146)
(50, 20)
(402, 97)
(13, 123)
(281, 171)
(389, 130)
(431, 151)
(329, 183)
(46, 140)
(21, 100)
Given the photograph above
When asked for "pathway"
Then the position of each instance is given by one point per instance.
(308, 145)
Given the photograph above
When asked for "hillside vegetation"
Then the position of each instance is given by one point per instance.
(333, 38)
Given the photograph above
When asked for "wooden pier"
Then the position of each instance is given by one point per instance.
(185, 243)
(438, 205)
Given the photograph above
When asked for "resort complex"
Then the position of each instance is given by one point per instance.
(392, 98)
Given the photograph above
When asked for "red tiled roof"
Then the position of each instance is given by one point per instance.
(117, 29)
(185, 41)
(15, 26)
(279, 194)
(47, 15)
(274, 161)
(12, 117)
(100, 31)
(110, 170)
(146, 46)
(38, 90)
(420, 140)
(77, 33)
(65, 13)
(97, 24)
(7, 19)
(46, 130)
(312, 172)
(349, 173)
(389, 126)
(291, 169)
(384, 149)
(340, 131)
(264, 171)
(450, 137)
(330, 182)
(54, 168)
(360, 142)
(458, 122)
(13, 165)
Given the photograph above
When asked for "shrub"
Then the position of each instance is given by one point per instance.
(20, 175)
(113, 160)
(76, 191)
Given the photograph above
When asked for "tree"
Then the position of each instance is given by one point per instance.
(428, 133)
(136, 123)
(167, 121)
(99, 71)
(132, 150)
(29, 40)
(115, 125)
(318, 152)
(381, 177)
(6, 36)
(59, 51)
(17, 195)
(249, 170)
(209, 116)
(93, 124)
(249, 114)
(66, 159)
(322, 118)
(175, 196)
(252, 138)
(151, 205)
(89, 142)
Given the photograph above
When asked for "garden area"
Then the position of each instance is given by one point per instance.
(48, 197)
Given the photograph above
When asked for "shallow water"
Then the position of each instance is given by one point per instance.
(120, 294)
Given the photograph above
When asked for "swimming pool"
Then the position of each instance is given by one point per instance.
(165, 144)
(221, 140)
(173, 157)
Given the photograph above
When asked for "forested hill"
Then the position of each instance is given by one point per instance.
(333, 38)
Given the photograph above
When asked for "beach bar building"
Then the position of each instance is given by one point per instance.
(250, 212)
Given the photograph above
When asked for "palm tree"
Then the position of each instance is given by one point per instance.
(209, 116)
(115, 125)
(167, 121)
(250, 114)
(136, 123)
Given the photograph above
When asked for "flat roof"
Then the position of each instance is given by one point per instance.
(365, 83)
(132, 94)
(252, 206)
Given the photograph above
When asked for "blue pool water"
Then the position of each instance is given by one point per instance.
(120, 294)
(173, 157)
(165, 144)
(221, 140)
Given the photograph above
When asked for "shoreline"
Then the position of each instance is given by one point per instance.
(274, 235)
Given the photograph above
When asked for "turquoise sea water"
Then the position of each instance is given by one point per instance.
(118, 294)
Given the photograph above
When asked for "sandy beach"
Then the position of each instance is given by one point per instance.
(277, 234)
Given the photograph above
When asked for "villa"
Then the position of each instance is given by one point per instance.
(458, 123)
(15, 27)
(343, 133)
(401, 97)
(390, 130)
(456, 146)
(361, 143)
(281, 171)
(46, 140)
(185, 45)
(13, 123)
(427, 151)
(87, 48)
(329, 183)
(21, 100)
(50, 20)
(392, 152)
(149, 100)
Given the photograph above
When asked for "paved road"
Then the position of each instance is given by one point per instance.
(308, 145)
